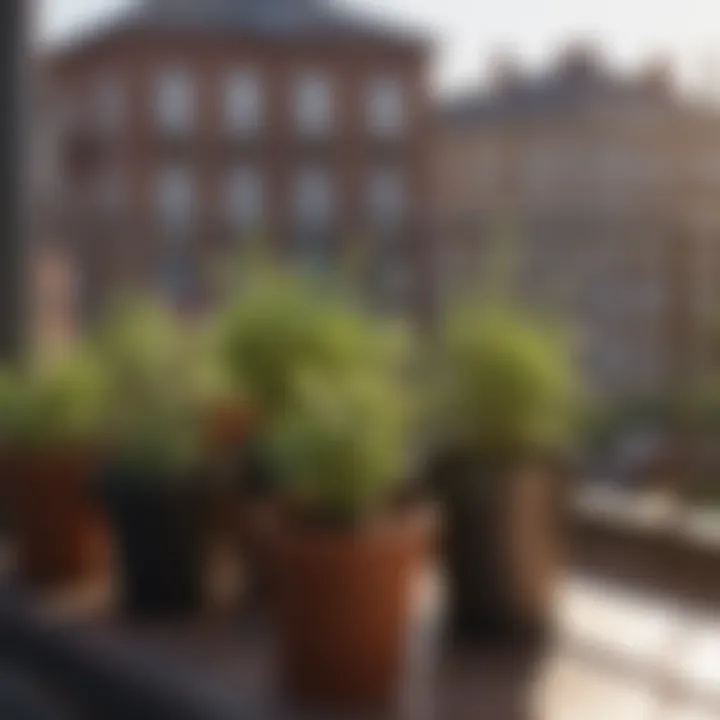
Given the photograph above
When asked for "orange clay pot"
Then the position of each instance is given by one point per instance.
(343, 600)
(61, 535)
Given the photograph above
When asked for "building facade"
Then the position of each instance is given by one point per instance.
(601, 192)
(186, 130)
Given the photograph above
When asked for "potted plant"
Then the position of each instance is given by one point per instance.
(345, 548)
(503, 413)
(279, 326)
(156, 479)
(51, 428)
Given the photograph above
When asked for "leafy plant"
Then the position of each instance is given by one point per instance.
(341, 445)
(60, 404)
(282, 325)
(505, 384)
(158, 386)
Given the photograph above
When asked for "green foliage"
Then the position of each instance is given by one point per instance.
(158, 383)
(505, 384)
(341, 444)
(64, 403)
(282, 325)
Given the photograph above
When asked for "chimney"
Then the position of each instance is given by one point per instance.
(579, 62)
(505, 73)
(658, 77)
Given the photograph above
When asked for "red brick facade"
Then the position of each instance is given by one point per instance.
(118, 250)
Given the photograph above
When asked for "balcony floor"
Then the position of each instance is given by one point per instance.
(621, 653)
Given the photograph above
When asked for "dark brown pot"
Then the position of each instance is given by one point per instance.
(342, 600)
(503, 549)
(61, 534)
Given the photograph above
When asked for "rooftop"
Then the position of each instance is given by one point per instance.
(298, 20)
(579, 80)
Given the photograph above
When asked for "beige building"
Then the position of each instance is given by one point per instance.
(603, 194)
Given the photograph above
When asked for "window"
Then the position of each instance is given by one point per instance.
(244, 199)
(386, 107)
(244, 107)
(314, 198)
(386, 197)
(313, 105)
(175, 101)
(176, 200)
(110, 103)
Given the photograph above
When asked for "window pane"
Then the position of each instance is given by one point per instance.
(386, 106)
(244, 199)
(314, 104)
(175, 101)
(243, 102)
(176, 200)
(314, 197)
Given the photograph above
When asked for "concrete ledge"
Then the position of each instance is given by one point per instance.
(671, 549)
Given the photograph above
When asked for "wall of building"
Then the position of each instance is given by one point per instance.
(123, 246)
(608, 213)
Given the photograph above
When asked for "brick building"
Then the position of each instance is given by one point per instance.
(601, 190)
(184, 129)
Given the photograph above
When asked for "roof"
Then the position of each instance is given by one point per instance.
(309, 20)
(565, 91)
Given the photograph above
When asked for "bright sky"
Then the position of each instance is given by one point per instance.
(469, 31)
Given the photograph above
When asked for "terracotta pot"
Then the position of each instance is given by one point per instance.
(503, 547)
(61, 534)
(343, 600)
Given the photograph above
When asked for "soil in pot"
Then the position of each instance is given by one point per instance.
(60, 531)
(343, 600)
(161, 545)
(503, 550)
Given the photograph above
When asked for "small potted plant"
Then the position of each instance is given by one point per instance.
(345, 548)
(280, 325)
(51, 430)
(503, 415)
(156, 480)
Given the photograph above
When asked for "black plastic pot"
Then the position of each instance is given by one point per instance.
(503, 547)
(160, 527)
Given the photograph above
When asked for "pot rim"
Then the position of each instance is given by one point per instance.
(417, 523)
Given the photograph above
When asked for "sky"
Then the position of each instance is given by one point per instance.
(470, 32)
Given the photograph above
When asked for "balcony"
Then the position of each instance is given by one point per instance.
(622, 649)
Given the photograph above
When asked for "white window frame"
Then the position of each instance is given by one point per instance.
(243, 102)
(314, 198)
(176, 200)
(175, 95)
(244, 198)
(314, 104)
(386, 106)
